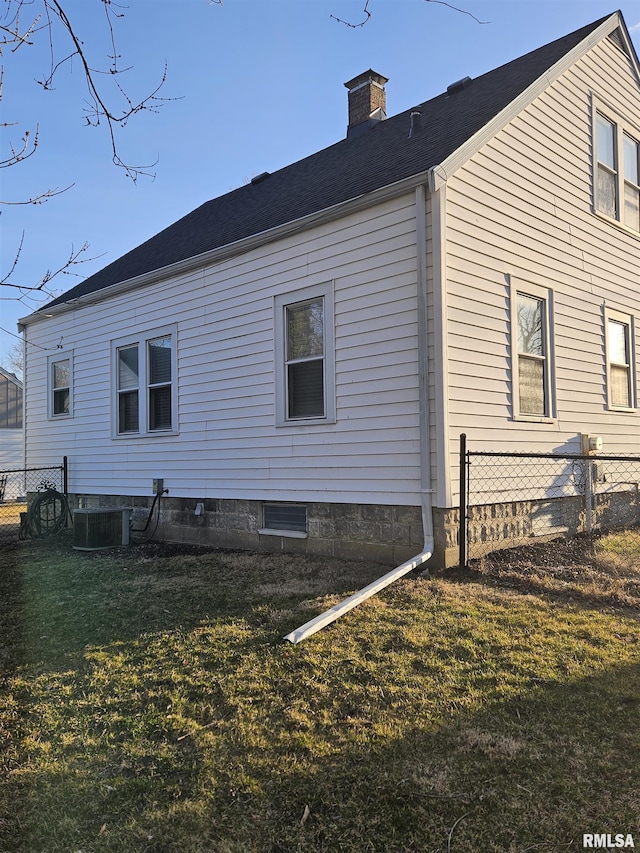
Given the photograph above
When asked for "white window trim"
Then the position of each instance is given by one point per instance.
(546, 295)
(622, 126)
(280, 303)
(62, 355)
(626, 320)
(141, 339)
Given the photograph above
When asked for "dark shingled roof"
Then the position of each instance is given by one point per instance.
(350, 168)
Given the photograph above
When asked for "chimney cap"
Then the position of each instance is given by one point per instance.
(369, 76)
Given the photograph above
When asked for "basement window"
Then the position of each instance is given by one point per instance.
(285, 520)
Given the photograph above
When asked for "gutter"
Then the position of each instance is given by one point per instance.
(347, 604)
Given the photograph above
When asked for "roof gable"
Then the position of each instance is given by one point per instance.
(453, 125)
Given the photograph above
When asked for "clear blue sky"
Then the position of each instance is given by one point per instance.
(259, 85)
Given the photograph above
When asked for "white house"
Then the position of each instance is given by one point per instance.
(11, 433)
(295, 360)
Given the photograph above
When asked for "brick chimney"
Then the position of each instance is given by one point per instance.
(367, 101)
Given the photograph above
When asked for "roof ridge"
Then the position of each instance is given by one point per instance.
(345, 170)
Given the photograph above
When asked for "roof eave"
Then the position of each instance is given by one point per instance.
(222, 253)
(441, 173)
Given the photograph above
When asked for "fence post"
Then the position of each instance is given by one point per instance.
(65, 476)
(462, 531)
(590, 482)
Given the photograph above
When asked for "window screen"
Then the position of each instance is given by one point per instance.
(532, 364)
(128, 417)
(619, 364)
(305, 359)
(285, 517)
(61, 378)
(160, 383)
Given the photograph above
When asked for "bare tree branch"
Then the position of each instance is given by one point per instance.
(355, 26)
(368, 14)
(456, 9)
(99, 110)
(43, 286)
(49, 19)
(37, 199)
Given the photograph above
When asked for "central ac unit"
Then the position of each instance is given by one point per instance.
(100, 528)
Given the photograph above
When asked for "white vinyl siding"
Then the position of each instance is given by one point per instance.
(228, 443)
(520, 213)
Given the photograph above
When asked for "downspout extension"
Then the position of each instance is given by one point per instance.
(338, 610)
(357, 598)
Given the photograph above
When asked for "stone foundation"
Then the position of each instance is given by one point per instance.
(382, 534)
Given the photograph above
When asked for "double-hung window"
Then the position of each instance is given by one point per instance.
(145, 394)
(617, 169)
(304, 343)
(619, 337)
(60, 370)
(532, 366)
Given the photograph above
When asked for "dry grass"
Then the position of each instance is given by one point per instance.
(597, 571)
(149, 705)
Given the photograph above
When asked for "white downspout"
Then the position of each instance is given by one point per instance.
(329, 616)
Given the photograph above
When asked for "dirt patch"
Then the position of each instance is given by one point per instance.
(581, 569)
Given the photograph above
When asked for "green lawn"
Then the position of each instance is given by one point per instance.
(149, 705)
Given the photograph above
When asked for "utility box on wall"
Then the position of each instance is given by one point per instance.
(591, 443)
(100, 528)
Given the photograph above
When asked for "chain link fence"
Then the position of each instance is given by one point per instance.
(18, 489)
(514, 499)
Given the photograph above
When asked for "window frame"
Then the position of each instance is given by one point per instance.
(622, 128)
(66, 355)
(141, 341)
(545, 295)
(627, 320)
(281, 303)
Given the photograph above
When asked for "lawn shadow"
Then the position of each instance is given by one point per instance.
(531, 773)
(275, 748)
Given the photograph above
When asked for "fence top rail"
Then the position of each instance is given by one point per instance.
(600, 457)
(32, 470)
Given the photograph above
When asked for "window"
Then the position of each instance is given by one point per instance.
(10, 404)
(531, 342)
(60, 376)
(631, 189)
(304, 354)
(128, 395)
(159, 361)
(617, 170)
(305, 359)
(620, 361)
(284, 519)
(607, 179)
(144, 381)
